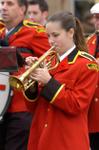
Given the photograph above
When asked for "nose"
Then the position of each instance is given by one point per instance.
(31, 15)
(51, 41)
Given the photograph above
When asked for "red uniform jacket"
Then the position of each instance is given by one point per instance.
(60, 120)
(94, 109)
(30, 39)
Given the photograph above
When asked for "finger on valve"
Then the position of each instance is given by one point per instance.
(30, 60)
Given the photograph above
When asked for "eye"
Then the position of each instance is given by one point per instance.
(2, 3)
(48, 35)
(35, 13)
(56, 34)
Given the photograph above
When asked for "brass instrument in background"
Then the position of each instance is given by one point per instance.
(23, 82)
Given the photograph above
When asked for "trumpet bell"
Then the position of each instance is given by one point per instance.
(16, 83)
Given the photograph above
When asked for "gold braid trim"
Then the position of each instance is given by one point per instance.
(57, 93)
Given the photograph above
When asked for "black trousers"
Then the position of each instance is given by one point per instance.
(94, 141)
(14, 131)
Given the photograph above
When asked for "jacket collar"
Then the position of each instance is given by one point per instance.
(65, 64)
(14, 30)
(73, 56)
(67, 53)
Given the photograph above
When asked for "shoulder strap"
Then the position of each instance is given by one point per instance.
(29, 23)
(38, 27)
(87, 56)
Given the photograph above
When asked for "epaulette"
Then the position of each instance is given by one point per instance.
(30, 23)
(91, 65)
(87, 56)
(89, 37)
(37, 26)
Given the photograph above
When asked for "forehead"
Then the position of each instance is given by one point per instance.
(53, 24)
(9, 1)
(34, 7)
(53, 27)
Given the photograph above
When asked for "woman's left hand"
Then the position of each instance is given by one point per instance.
(41, 75)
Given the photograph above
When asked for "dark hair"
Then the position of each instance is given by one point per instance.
(68, 21)
(42, 4)
(23, 3)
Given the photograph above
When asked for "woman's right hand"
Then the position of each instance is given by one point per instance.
(30, 60)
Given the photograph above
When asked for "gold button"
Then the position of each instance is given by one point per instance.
(48, 109)
(96, 99)
(46, 125)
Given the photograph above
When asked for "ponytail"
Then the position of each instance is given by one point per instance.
(79, 37)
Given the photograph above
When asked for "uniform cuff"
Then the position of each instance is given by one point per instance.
(50, 89)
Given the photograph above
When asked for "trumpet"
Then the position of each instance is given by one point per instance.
(23, 82)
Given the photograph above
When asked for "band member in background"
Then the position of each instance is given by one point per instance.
(30, 39)
(93, 46)
(38, 11)
(61, 107)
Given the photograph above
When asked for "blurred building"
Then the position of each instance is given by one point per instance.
(80, 8)
(77, 7)
(58, 5)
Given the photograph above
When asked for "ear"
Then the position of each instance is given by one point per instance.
(23, 10)
(45, 14)
(71, 32)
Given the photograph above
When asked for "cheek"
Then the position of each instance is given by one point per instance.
(60, 41)
(39, 15)
(97, 25)
(98, 21)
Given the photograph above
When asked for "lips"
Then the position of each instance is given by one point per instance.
(4, 15)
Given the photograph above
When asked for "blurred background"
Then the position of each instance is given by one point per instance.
(80, 8)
